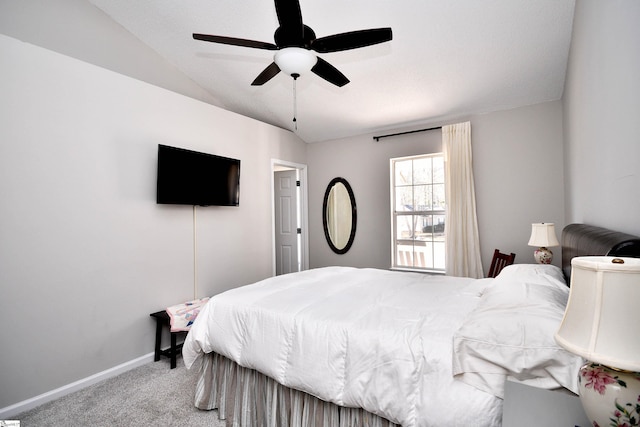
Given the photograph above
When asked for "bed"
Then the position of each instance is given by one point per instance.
(341, 346)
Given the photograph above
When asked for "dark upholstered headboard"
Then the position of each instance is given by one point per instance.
(586, 240)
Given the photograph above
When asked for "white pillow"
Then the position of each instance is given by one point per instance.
(543, 274)
(510, 334)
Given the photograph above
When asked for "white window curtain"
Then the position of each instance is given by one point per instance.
(462, 240)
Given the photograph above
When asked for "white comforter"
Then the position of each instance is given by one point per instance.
(374, 339)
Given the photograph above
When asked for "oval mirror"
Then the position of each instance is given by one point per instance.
(339, 215)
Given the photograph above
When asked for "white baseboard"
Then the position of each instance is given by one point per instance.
(11, 411)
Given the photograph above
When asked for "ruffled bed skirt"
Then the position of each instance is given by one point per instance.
(246, 398)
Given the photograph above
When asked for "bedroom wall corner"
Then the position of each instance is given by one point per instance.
(601, 102)
(518, 169)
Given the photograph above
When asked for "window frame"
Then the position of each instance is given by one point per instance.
(433, 212)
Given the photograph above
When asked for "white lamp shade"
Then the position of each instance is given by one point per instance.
(543, 235)
(295, 60)
(602, 315)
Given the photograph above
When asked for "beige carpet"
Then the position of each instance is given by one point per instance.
(151, 395)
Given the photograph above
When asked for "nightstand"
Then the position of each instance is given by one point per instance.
(526, 406)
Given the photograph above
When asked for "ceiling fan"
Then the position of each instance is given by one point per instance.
(294, 43)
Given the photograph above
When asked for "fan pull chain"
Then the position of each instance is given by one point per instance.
(295, 100)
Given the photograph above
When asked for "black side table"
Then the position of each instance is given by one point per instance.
(162, 319)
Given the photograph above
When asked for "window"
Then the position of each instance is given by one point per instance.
(418, 212)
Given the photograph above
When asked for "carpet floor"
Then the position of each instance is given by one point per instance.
(150, 395)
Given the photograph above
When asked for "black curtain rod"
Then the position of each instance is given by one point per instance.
(377, 138)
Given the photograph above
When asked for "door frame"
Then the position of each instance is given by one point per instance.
(304, 204)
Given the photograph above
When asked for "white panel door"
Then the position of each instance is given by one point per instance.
(286, 227)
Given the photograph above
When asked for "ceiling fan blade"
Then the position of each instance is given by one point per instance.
(235, 42)
(289, 13)
(351, 40)
(266, 74)
(329, 73)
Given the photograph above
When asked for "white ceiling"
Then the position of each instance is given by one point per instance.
(447, 59)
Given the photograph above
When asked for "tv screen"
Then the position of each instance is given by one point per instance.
(188, 177)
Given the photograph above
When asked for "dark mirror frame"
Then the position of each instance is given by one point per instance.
(354, 215)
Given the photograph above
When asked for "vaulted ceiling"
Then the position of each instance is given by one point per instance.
(447, 59)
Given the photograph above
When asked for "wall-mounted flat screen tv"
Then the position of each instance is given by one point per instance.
(188, 177)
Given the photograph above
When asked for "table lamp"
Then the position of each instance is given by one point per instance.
(601, 324)
(543, 235)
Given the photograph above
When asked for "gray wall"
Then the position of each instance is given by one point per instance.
(364, 163)
(517, 158)
(85, 252)
(602, 116)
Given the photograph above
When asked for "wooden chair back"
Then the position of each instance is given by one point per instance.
(499, 262)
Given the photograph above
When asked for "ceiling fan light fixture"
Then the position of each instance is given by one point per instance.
(295, 60)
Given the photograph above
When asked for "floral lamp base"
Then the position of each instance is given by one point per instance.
(610, 397)
(543, 255)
